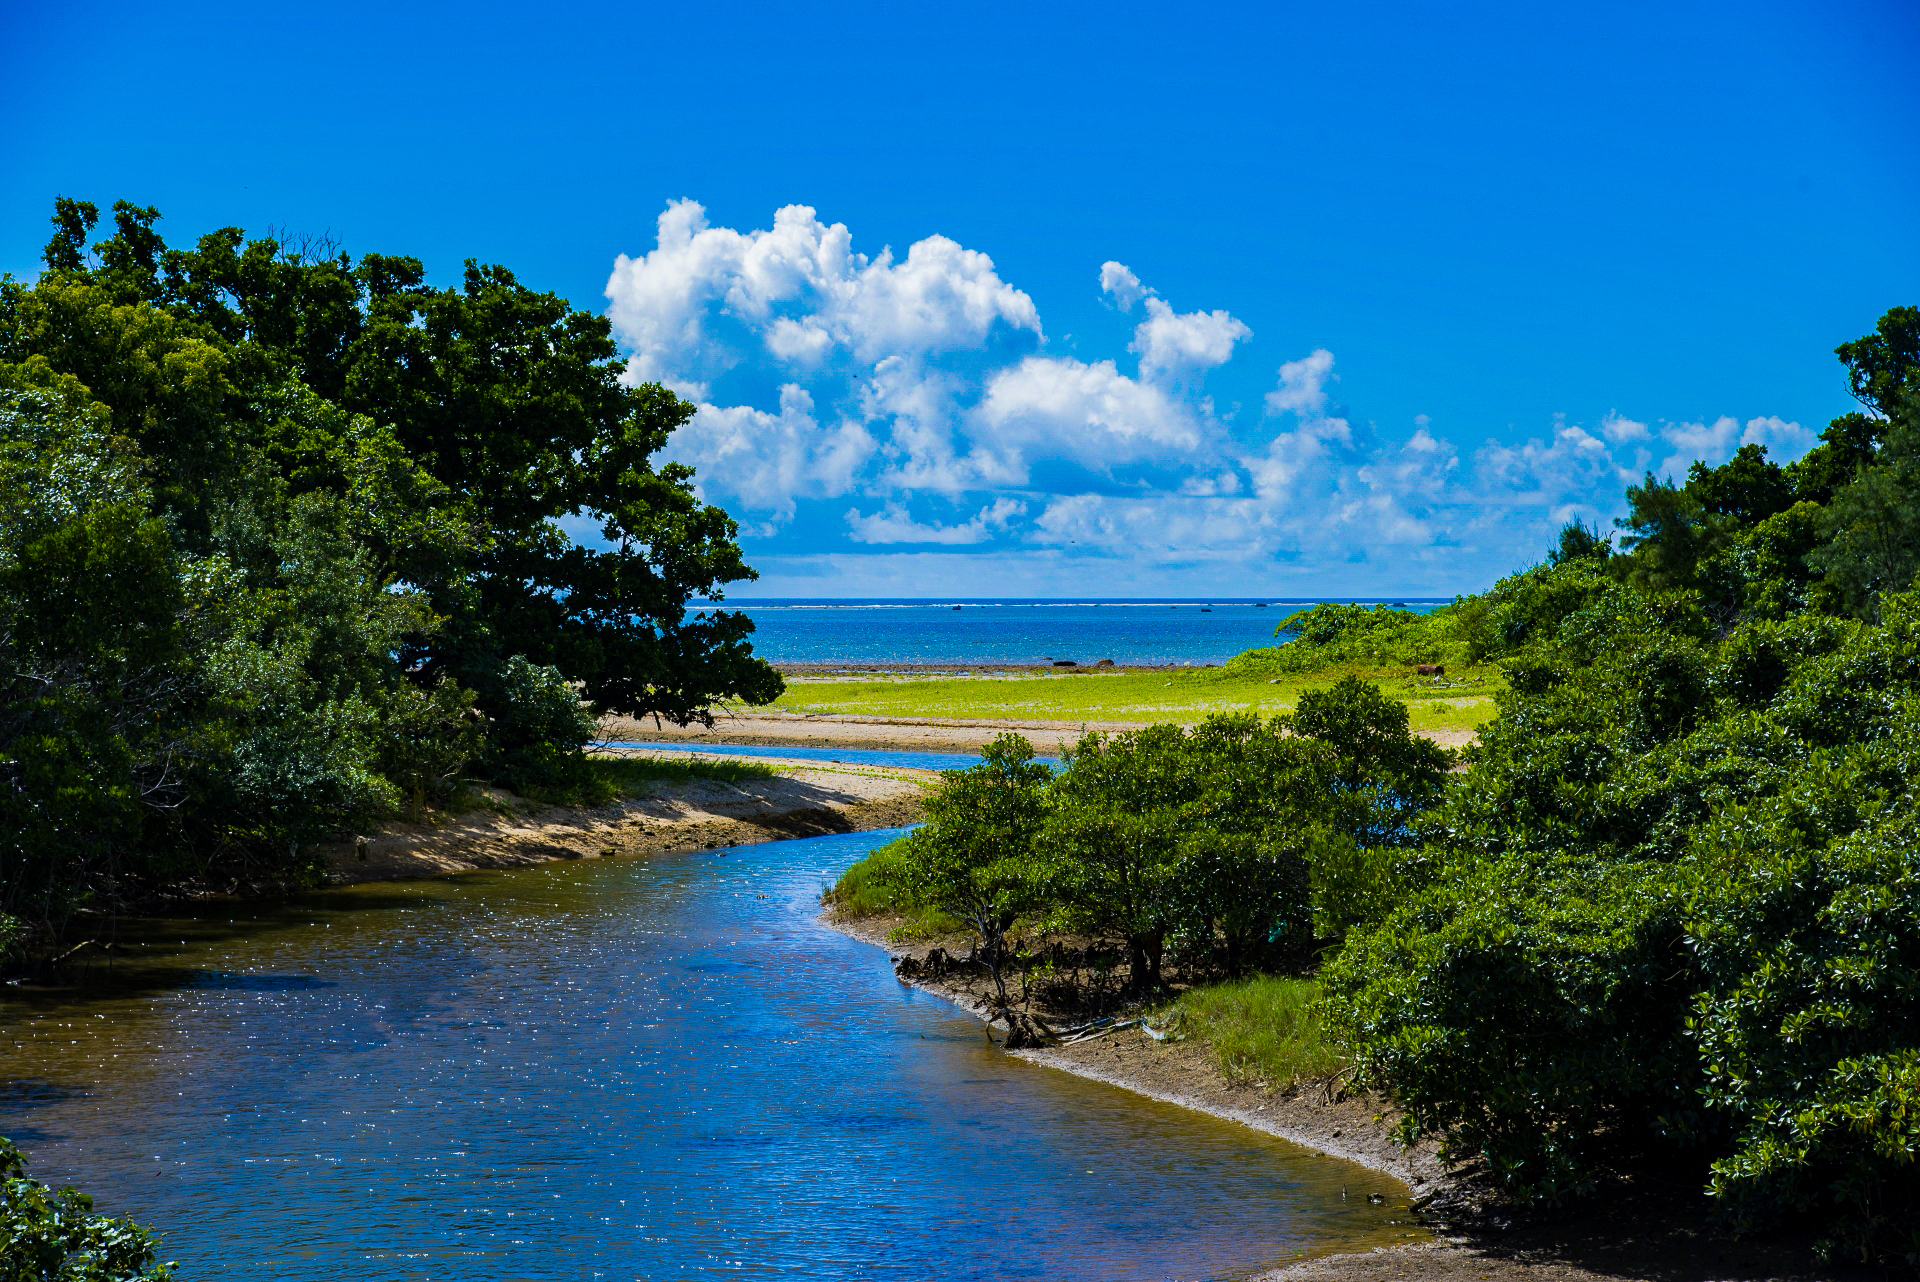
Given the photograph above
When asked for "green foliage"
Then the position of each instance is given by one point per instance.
(1230, 836)
(428, 737)
(49, 1235)
(1379, 636)
(90, 653)
(1883, 368)
(973, 859)
(1677, 535)
(539, 726)
(511, 401)
(881, 885)
(1580, 542)
(1670, 910)
(1808, 937)
(280, 547)
(1267, 1030)
(1871, 527)
(1527, 1012)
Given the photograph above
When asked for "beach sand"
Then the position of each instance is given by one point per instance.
(805, 799)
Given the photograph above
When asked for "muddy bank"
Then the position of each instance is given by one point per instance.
(1349, 1125)
(1657, 1233)
(894, 734)
(800, 801)
(881, 734)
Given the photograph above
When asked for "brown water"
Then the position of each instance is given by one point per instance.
(660, 1068)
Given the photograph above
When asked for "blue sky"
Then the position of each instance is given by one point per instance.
(1057, 300)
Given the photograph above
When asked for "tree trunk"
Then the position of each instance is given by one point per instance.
(1143, 961)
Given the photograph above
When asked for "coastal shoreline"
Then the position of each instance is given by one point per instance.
(894, 734)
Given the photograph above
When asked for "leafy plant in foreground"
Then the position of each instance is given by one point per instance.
(49, 1235)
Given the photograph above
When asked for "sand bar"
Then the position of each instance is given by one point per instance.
(892, 734)
(805, 799)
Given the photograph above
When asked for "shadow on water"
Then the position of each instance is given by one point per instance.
(645, 1068)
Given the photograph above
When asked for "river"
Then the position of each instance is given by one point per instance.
(616, 1068)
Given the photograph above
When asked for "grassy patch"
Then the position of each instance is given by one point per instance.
(633, 775)
(1266, 1030)
(601, 781)
(1138, 697)
(873, 888)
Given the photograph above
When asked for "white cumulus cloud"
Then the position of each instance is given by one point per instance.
(1091, 413)
(1170, 344)
(767, 461)
(911, 401)
(1714, 443)
(800, 290)
(1118, 280)
(1303, 385)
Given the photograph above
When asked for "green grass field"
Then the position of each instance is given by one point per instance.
(1128, 696)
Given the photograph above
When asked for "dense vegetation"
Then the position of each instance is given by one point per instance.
(1668, 915)
(280, 550)
(1673, 908)
(1236, 843)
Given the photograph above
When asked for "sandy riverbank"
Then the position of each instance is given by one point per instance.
(1654, 1235)
(804, 799)
(892, 734)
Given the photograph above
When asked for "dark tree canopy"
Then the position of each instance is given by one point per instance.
(507, 397)
(282, 553)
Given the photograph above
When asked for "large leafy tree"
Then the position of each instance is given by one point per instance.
(507, 397)
(280, 542)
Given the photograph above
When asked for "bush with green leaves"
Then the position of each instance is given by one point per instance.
(1367, 637)
(1671, 911)
(1229, 838)
(53, 1235)
(539, 726)
(973, 859)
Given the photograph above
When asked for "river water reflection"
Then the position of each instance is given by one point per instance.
(645, 1068)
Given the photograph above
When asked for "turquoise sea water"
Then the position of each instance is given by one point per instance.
(1010, 630)
(651, 1068)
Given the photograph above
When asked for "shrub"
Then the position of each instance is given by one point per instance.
(1380, 636)
(1530, 1014)
(1674, 912)
(973, 858)
(49, 1235)
(878, 886)
(539, 728)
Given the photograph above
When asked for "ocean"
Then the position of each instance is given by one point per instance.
(1166, 630)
